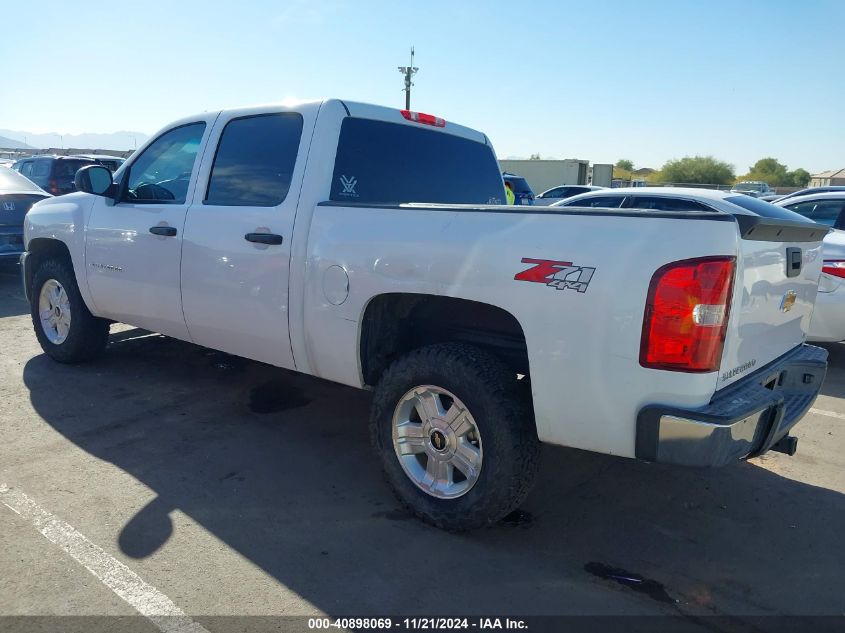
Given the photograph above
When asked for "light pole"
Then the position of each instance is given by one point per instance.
(134, 142)
(408, 71)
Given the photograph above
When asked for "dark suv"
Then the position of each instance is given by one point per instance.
(52, 173)
(520, 187)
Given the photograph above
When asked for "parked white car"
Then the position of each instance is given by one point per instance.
(828, 321)
(328, 238)
(562, 192)
(828, 208)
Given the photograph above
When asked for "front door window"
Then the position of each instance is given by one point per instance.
(162, 172)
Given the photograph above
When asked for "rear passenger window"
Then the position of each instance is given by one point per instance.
(41, 168)
(822, 211)
(26, 169)
(392, 163)
(659, 203)
(68, 168)
(255, 160)
(610, 202)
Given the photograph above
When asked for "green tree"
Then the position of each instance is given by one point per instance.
(798, 177)
(775, 173)
(624, 163)
(769, 170)
(534, 156)
(704, 170)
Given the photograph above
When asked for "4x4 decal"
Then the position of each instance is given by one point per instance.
(560, 275)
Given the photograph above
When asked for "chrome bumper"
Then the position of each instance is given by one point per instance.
(743, 420)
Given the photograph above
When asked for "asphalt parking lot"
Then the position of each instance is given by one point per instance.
(234, 488)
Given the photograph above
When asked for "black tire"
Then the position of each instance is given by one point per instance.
(504, 418)
(87, 336)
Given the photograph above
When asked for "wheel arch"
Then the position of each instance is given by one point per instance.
(41, 248)
(393, 324)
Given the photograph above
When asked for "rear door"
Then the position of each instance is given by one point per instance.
(778, 268)
(236, 251)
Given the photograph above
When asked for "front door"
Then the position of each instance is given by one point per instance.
(237, 241)
(133, 247)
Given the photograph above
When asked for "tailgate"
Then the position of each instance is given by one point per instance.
(777, 276)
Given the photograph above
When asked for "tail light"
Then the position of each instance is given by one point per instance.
(425, 119)
(835, 267)
(686, 315)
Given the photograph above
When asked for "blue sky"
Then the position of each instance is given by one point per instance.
(598, 80)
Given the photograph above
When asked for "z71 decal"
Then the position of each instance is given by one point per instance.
(560, 275)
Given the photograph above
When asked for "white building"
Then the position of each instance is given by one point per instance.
(545, 174)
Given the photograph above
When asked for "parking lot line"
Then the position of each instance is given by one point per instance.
(143, 597)
(830, 414)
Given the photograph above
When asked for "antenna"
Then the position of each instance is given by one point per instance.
(408, 71)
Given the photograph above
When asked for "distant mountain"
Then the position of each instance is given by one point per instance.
(117, 141)
(11, 143)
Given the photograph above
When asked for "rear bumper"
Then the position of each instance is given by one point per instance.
(11, 243)
(743, 420)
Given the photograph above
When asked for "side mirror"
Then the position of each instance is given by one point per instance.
(94, 179)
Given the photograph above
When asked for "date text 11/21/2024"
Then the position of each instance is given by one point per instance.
(417, 623)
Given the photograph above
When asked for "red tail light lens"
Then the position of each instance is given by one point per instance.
(835, 267)
(425, 119)
(686, 315)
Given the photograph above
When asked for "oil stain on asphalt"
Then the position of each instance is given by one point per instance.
(275, 396)
(652, 588)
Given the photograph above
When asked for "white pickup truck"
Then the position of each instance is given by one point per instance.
(368, 246)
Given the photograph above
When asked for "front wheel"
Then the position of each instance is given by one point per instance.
(455, 435)
(65, 328)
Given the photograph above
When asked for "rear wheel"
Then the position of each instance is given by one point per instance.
(455, 436)
(65, 328)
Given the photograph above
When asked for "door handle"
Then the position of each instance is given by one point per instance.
(167, 231)
(264, 238)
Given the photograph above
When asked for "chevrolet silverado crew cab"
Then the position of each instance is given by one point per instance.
(370, 247)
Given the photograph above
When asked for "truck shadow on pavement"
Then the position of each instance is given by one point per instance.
(278, 466)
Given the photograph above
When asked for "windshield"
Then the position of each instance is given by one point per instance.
(749, 186)
(11, 180)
